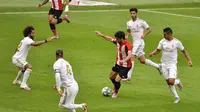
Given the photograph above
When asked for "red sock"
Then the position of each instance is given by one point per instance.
(54, 32)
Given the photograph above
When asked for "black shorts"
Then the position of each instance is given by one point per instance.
(56, 13)
(123, 71)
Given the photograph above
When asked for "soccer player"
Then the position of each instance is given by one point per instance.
(55, 13)
(123, 59)
(64, 77)
(19, 58)
(136, 28)
(169, 46)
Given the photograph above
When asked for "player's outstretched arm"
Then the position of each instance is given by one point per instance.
(185, 53)
(38, 43)
(108, 38)
(155, 52)
(43, 3)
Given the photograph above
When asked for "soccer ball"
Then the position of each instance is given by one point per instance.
(106, 91)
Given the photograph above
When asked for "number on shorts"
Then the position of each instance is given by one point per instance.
(69, 71)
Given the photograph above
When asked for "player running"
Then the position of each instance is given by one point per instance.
(55, 13)
(19, 59)
(123, 61)
(136, 28)
(169, 46)
(64, 77)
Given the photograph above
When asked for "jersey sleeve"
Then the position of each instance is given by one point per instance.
(56, 68)
(160, 45)
(180, 46)
(29, 41)
(145, 25)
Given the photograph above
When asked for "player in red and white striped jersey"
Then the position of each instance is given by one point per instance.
(55, 13)
(123, 61)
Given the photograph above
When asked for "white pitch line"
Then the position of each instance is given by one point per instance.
(120, 10)
(172, 14)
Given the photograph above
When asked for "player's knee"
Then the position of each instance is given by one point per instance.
(171, 82)
(142, 61)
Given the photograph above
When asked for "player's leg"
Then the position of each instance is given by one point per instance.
(52, 26)
(28, 70)
(20, 65)
(172, 73)
(71, 95)
(129, 76)
(113, 74)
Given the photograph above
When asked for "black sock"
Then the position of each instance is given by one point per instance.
(117, 85)
(113, 81)
(52, 26)
(59, 20)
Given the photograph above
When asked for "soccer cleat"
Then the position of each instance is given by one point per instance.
(180, 86)
(67, 18)
(160, 69)
(25, 88)
(84, 107)
(177, 100)
(114, 95)
(17, 82)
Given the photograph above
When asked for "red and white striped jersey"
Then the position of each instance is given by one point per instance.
(122, 53)
(57, 4)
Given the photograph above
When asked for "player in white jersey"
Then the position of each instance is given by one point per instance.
(136, 28)
(19, 58)
(169, 46)
(64, 77)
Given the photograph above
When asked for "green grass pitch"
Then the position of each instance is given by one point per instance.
(92, 58)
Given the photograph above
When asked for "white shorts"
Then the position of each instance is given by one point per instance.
(20, 63)
(169, 71)
(69, 95)
(138, 48)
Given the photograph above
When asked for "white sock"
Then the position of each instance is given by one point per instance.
(177, 81)
(130, 71)
(151, 63)
(26, 76)
(173, 90)
(72, 110)
(67, 8)
(19, 75)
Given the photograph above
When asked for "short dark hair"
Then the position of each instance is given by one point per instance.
(27, 31)
(133, 9)
(120, 35)
(168, 30)
(59, 52)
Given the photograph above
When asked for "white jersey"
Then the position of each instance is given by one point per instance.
(66, 74)
(23, 48)
(169, 50)
(137, 29)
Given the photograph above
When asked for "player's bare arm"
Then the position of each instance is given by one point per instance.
(128, 57)
(108, 38)
(148, 30)
(155, 52)
(43, 3)
(128, 33)
(38, 43)
(185, 53)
